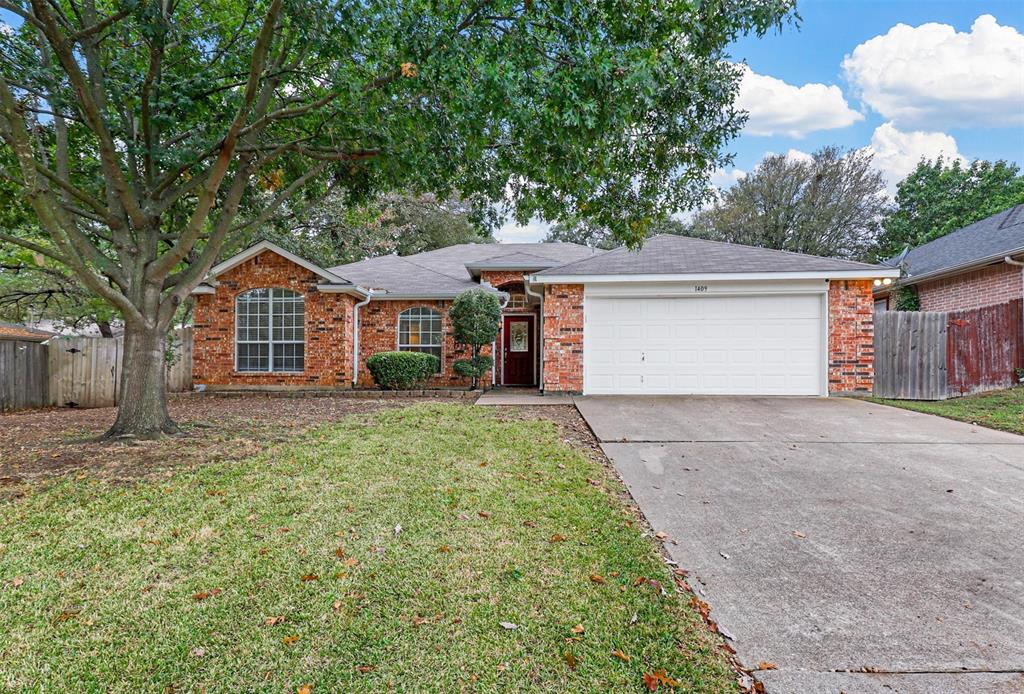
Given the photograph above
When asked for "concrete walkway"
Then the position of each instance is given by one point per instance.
(859, 548)
(521, 396)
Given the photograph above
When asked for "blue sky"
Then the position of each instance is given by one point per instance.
(945, 82)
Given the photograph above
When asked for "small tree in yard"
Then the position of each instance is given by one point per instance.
(475, 315)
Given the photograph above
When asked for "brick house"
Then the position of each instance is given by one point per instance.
(972, 267)
(681, 315)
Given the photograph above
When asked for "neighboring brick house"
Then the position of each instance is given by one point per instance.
(972, 267)
(681, 315)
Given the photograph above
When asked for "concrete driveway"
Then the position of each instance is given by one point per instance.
(860, 548)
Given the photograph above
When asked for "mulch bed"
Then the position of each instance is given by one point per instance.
(40, 444)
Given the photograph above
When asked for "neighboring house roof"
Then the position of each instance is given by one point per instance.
(669, 255)
(981, 243)
(15, 331)
(447, 271)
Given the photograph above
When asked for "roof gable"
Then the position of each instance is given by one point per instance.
(263, 246)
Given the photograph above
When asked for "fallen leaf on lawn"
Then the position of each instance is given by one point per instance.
(620, 655)
(17, 581)
(529, 524)
(508, 625)
(366, 668)
(557, 538)
(444, 548)
(417, 620)
(305, 689)
(797, 533)
(274, 621)
(766, 665)
(264, 551)
(289, 640)
(661, 536)
(484, 514)
(351, 561)
(578, 629)
(337, 605)
(204, 594)
(571, 660)
(310, 577)
(340, 552)
(640, 580)
(597, 578)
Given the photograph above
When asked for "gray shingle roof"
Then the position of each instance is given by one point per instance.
(990, 239)
(667, 254)
(443, 272)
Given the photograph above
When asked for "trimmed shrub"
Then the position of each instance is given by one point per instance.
(402, 370)
(475, 368)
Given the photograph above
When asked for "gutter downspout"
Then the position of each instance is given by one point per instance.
(540, 328)
(1010, 261)
(355, 335)
(505, 298)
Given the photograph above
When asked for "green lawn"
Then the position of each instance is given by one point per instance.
(1001, 409)
(286, 570)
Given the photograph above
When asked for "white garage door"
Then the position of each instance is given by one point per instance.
(726, 345)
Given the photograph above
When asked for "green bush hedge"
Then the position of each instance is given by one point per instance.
(402, 370)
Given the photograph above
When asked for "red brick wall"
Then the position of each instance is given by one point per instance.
(851, 351)
(563, 338)
(995, 284)
(328, 360)
(378, 332)
(496, 278)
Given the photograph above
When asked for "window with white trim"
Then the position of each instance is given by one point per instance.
(270, 331)
(517, 300)
(419, 330)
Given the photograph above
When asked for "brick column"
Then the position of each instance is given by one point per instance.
(851, 349)
(563, 338)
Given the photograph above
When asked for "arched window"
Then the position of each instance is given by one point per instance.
(419, 330)
(270, 330)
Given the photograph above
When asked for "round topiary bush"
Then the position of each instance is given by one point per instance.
(402, 370)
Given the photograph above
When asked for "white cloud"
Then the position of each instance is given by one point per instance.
(778, 108)
(897, 153)
(511, 232)
(933, 76)
(725, 178)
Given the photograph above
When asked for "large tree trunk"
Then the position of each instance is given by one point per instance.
(142, 401)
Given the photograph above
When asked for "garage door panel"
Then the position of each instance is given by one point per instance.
(718, 345)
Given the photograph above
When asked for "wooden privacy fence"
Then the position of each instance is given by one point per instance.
(78, 371)
(934, 355)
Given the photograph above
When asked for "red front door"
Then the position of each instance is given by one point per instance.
(520, 351)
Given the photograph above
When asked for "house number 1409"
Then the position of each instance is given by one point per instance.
(700, 288)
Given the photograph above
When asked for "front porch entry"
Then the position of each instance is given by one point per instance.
(519, 350)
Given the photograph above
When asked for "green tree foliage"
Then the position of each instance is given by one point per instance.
(334, 232)
(939, 197)
(146, 135)
(829, 205)
(476, 315)
(590, 234)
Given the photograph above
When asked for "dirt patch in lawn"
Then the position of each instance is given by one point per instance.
(42, 444)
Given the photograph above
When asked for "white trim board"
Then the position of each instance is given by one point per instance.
(867, 274)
